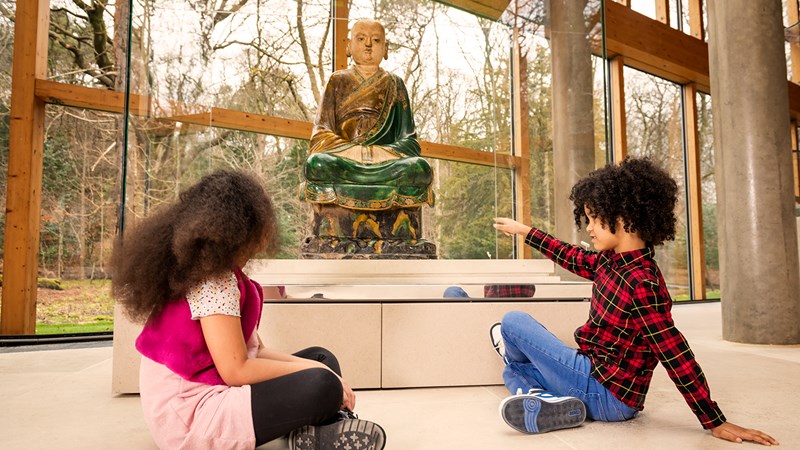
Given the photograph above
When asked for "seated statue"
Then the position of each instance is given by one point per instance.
(364, 153)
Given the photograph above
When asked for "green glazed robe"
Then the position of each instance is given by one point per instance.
(373, 111)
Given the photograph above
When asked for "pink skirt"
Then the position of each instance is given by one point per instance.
(182, 414)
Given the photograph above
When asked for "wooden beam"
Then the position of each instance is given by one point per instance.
(795, 158)
(694, 185)
(468, 155)
(656, 48)
(794, 100)
(653, 47)
(662, 11)
(490, 9)
(111, 101)
(521, 147)
(696, 28)
(341, 13)
(25, 157)
(259, 123)
(90, 98)
(619, 138)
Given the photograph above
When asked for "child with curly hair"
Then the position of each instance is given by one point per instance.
(206, 379)
(628, 209)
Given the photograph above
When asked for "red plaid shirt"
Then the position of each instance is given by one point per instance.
(630, 326)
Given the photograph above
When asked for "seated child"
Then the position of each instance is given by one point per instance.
(628, 209)
(206, 380)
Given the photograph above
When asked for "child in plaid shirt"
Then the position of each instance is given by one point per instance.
(628, 209)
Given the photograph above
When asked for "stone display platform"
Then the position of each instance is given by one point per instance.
(387, 321)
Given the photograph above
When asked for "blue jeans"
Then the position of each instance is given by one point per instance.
(535, 358)
(455, 292)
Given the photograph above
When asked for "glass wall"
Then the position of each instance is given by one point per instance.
(6, 58)
(708, 187)
(272, 59)
(655, 129)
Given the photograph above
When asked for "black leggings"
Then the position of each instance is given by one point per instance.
(307, 397)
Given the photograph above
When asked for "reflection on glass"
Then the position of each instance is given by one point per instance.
(655, 129)
(469, 197)
(456, 67)
(265, 56)
(81, 43)
(792, 33)
(271, 59)
(708, 186)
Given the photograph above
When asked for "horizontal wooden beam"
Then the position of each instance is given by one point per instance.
(111, 101)
(794, 100)
(468, 155)
(653, 47)
(490, 9)
(656, 48)
(76, 96)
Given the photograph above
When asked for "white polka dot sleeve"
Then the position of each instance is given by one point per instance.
(215, 296)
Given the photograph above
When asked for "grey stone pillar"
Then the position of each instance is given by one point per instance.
(755, 200)
(573, 115)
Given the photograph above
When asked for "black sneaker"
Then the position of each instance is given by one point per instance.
(539, 411)
(344, 434)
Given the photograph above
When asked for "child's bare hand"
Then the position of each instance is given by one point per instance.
(348, 396)
(510, 226)
(735, 433)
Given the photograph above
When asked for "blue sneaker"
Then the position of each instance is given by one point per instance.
(539, 411)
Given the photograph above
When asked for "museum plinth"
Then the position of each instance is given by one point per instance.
(342, 233)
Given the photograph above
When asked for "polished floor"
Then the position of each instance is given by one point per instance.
(60, 398)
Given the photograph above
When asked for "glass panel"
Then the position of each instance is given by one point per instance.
(684, 13)
(456, 67)
(79, 216)
(197, 71)
(6, 58)
(541, 83)
(705, 134)
(645, 7)
(469, 197)
(655, 129)
(792, 33)
(81, 49)
(676, 19)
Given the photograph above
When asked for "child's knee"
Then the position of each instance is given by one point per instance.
(325, 388)
(513, 320)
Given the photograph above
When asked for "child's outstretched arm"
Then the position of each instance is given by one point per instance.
(650, 313)
(735, 433)
(571, 257)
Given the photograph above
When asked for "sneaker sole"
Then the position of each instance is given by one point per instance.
(337, 436)
(532, 415)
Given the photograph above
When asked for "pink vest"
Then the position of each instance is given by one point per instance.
(175, 340)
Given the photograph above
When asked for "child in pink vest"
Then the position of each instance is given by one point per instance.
(206, 380)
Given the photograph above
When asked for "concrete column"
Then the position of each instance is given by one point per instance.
(755, 200)
(573, 115)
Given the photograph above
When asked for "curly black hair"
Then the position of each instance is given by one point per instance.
(221, 221)
(637, 191)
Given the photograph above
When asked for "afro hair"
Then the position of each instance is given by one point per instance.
(637, 191)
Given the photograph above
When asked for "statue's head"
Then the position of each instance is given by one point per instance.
(367, 43)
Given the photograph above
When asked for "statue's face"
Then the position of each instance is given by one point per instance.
(367, 43)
